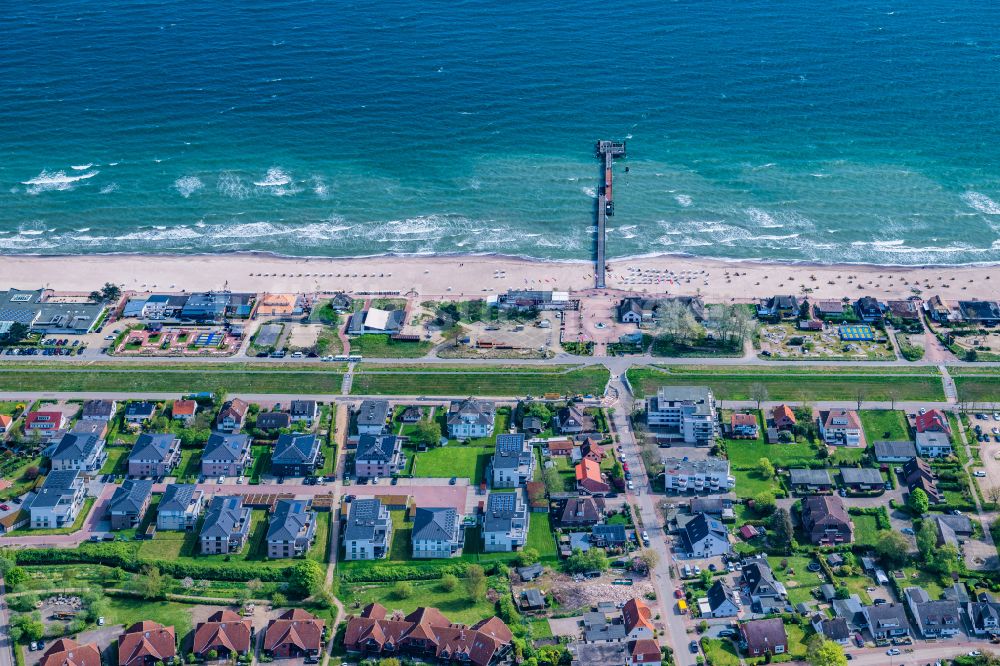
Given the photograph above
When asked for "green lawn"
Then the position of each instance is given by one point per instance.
(866, 532)
(720, 652)
(798, 580)
(261, 462)
(461, 460)
(128, 611)
(189, 468)
(884, 424)
(499, 382)
(320, 550)
(746, 453)
(382, 346)
(977, 387)
(455, 604)
(117, 461)
(750, 483)
(20, 484)
(168, 545)
(736, 382)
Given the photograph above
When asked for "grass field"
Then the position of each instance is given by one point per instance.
(20, 484)
(736, 382)
(128, 611)
(382, 346)
(168, 380)
(464, 461)
(884, 424)
(866, 532)
(524, 381)
(189, 468)
(974, 387)
(454, 604)
(117, 460)
(798, 580)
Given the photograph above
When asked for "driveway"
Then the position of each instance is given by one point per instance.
(566, 626)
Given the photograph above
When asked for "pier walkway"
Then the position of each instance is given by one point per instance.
(607, 151)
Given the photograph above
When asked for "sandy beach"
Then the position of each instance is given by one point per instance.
(476, 276)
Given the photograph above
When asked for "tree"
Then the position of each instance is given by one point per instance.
(764, 504)
(449, 582)
(824, 653)
(553, 481)
(306, 577)
(475, 582)
(581, 562)
(110, 292)
(892, 548)
(403, 589)
(527, 557)
(15, 333)
(918, 501)
(30, 626)
(426, 433)
(278, 599)
(758, 393)
(539, 410)
(994, 494)
(765, 468)
(927, 542)
(781, 530)
(706, 578)
(149, 584)
(649, 558)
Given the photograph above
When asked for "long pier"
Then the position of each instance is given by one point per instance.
(607, 151)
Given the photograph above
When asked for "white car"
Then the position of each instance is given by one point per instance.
(100, 621)
(980, 473)
(892, 652)
(240, 480)
(631, 486)
(975, 653)
(222, 479)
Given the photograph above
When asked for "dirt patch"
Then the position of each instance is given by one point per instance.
(304, 336)
(576, 596)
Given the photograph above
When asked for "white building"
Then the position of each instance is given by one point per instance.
(697, 476)
(683, 414)
(933, 444)
(471, 418)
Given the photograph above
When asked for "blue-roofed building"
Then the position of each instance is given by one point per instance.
(513, 462)
(505, 522)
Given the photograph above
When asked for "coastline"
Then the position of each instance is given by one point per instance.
(477, 275)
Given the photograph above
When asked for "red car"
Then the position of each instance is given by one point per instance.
(625, 467)
(678, 593)
(4, 507)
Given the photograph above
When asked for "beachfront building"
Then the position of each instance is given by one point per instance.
(44, 311)
(682, 414)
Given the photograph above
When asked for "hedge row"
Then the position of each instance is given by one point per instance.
(391, 574)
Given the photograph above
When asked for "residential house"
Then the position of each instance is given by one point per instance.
(426, 634)
(376, 320)
(180, 507)
(226, 455)
(580, 511)
(778, 307)
(271, 421)
(78, 451)
(683, 414)
(559, 447)
(840, 427)
(372, 416)
(98, 429)
(226, 633)
(983, 313)
(226, 526)
(291, 529)
(59, 501)
(761, 586)
(638, 619)
(99, 410)
(832, 629)
(413, 414)
(868, 309)
(889, 452)
(783, 417)
(45, 424)
(505, 522)
(378, 455)
(232, 416)
(154, 455)
(934, 619)
(602, 627)
(723, 601)
(918, 474)
(933, 420)
(471, 418)
(643, 652)
(592, 450)
(983, 617)
(743, 426)
(940, 311)
(293, 634)
(704, 537)
(710, 475)
(513, 462)
(139, 411)
(589, 478)
(368, 531)
(67, 652)
(437, 532)
(6, 420)
(719, 508)
(304, 411)
(952, 530)
(129, 503)
(810, 480)
(907, 310)
(825, 521)
(933, 444)
(862, 479)
(572, 420)
(531, 600)
(636, 310)
(851, 610)
(147, 643)
(296, 455)
(760, 637)
(887, 621)
(828, 310)
(608, 536)
(184, 410)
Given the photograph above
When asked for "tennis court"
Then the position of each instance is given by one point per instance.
(208, 339)
(857, 333)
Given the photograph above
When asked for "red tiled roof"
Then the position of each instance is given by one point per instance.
(743, 420)
(67, 652)
(223, 630)
(644, 650)
(637, 614)
(296, 627)
(932, 421)
(184, 407)
(145, 641)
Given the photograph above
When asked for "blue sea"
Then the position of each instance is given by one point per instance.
(835, 131)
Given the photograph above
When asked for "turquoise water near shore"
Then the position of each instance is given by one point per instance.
(842, 131)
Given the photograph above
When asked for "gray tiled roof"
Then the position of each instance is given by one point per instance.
(290, 517)
(130, 496)
(362, 519)
(177, 497)
(227, 448)
(295, 449)
(434, 524)
(152, 447)
(74, 446)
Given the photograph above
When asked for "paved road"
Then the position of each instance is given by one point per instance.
(923, 653)
(7, 647)
(676, 633)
